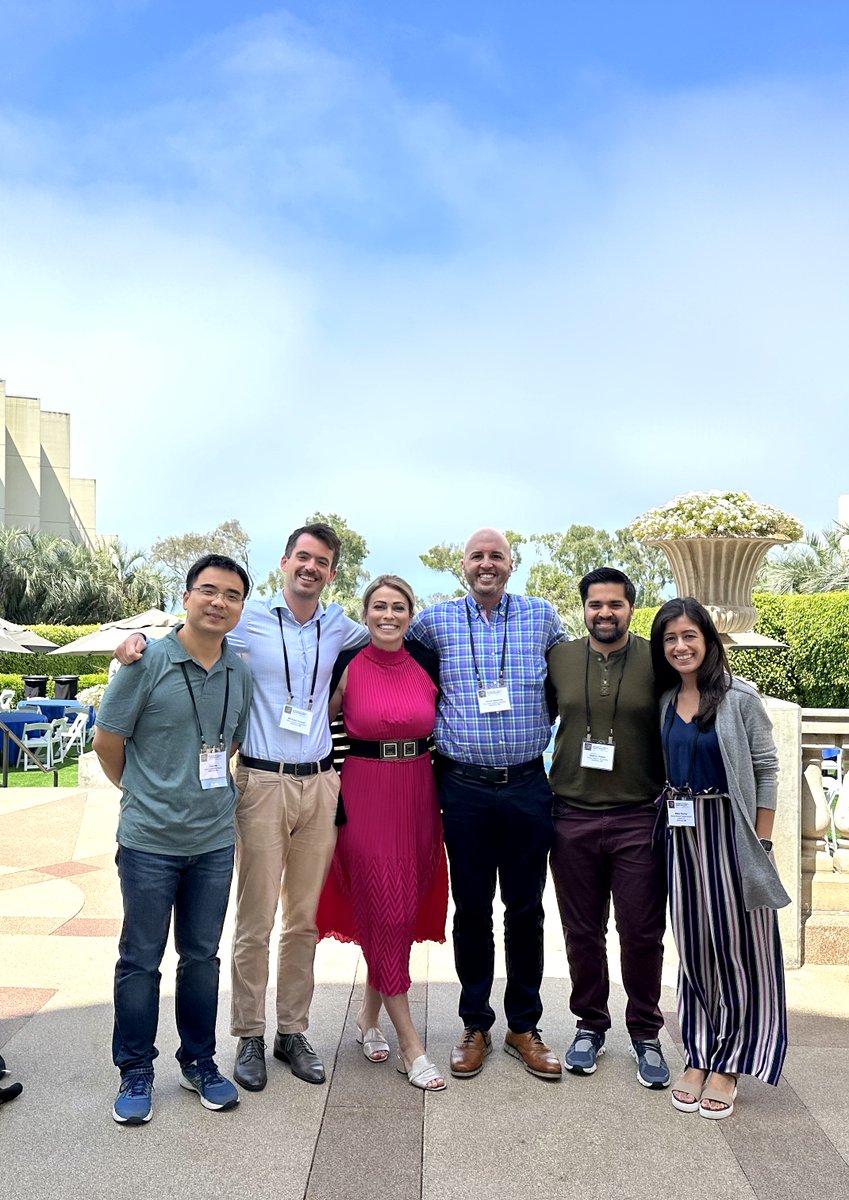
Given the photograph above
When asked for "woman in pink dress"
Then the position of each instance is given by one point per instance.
(388, 885)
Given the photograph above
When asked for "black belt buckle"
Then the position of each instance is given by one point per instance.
(395, 751)
(302, 769)
(496, 775)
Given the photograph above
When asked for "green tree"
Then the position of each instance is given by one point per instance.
(818, 564)
(351, 575)
(45, 579)
(178, 552)
(582, 548)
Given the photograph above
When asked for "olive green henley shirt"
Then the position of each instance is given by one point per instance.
(637, 775)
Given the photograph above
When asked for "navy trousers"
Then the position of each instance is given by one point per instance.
(503, 833)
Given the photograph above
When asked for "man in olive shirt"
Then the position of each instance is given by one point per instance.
(606, 773)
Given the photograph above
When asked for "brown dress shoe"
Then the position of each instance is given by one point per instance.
(533, 1052)
(468, 1055)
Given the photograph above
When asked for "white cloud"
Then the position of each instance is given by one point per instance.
(281, 286)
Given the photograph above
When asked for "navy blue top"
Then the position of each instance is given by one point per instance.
(693, 756)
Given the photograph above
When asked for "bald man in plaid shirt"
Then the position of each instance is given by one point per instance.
(493, 724)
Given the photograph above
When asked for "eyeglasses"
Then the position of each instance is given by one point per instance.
(230, 596)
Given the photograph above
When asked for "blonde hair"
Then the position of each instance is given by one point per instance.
(391, 581)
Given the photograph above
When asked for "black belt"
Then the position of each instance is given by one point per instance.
(389, 751)
(265, 764)
(500, 775)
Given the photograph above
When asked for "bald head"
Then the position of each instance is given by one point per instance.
(490, 536)
(487, 565)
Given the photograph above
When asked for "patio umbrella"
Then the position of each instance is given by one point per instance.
(8, 645)
(153, 624)
(25, 637)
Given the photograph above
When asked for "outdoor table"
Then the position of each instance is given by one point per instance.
(52, 710)
(16, 722)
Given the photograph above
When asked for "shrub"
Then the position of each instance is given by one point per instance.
(813, 668)
(58, 664)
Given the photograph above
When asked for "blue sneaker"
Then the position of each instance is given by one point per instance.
(581, 1056)
(134, 1102)
(214, 1090)
(652, 1070)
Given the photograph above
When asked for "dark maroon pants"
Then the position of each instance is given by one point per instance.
(598, 855)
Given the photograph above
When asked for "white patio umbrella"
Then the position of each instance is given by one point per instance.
(8, 645)
(153, 624)
(25, 637)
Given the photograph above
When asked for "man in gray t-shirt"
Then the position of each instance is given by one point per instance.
(166, 730)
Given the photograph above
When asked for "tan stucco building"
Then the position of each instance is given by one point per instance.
(36, 487)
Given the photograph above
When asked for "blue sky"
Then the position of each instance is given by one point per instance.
(429, 265)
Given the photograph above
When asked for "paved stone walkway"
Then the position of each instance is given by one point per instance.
(367, 1134)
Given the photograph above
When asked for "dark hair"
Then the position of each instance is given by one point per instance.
(607, 575)
(714, 676)
(324, 533)
(224, 563)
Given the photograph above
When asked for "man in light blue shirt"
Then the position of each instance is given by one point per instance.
(287, 797)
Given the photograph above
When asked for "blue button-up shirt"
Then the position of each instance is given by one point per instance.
(463, 732)
(256, 639)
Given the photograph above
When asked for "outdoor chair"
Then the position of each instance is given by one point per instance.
(46, 736)
(6, 698)
(73, 733)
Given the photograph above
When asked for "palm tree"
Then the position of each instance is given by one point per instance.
(46, 579)
(819, 564)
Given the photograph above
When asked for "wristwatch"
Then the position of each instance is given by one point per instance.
(767, 844)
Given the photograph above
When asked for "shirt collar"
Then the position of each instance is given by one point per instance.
(177, 652)
(475, 607)
(279, 601)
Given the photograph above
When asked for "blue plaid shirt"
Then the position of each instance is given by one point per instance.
(463, 732)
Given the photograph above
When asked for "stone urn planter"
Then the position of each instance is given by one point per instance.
(720, 572)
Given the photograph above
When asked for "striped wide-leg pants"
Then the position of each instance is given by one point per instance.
(731, 1002)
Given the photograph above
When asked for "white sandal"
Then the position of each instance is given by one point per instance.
(374, 1044)
(422, 1073)
(725, 1098)
(686, 1088)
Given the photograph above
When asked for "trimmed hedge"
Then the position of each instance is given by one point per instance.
(58, 664)
(16, 682)
(813, 669)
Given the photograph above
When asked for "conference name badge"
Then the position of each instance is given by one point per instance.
(212, 769)
(493, 699)
(298, 720)
(681, 812)
(597, 756)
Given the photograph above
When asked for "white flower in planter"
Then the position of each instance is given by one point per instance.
(715, 514)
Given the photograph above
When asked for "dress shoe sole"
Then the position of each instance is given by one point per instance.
(284, 1058)
(250, 1087)
(554, 1076)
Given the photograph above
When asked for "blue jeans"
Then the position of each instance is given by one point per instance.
(498, 833)
(196, 888)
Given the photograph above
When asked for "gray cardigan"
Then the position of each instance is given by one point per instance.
(744, 733)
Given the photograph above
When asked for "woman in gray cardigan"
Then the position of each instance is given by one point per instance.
(719, 801)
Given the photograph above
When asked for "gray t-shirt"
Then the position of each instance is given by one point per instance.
(164, 809)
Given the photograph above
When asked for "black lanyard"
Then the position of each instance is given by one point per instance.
(615, 700)
(667, 728)
(197, 714)
(481, 685)
(286, 659)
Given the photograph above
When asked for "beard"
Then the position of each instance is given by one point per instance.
(608, 633)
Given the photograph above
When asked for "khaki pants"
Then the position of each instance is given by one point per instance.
(285, 838)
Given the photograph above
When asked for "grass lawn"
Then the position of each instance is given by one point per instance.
(68, 774)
